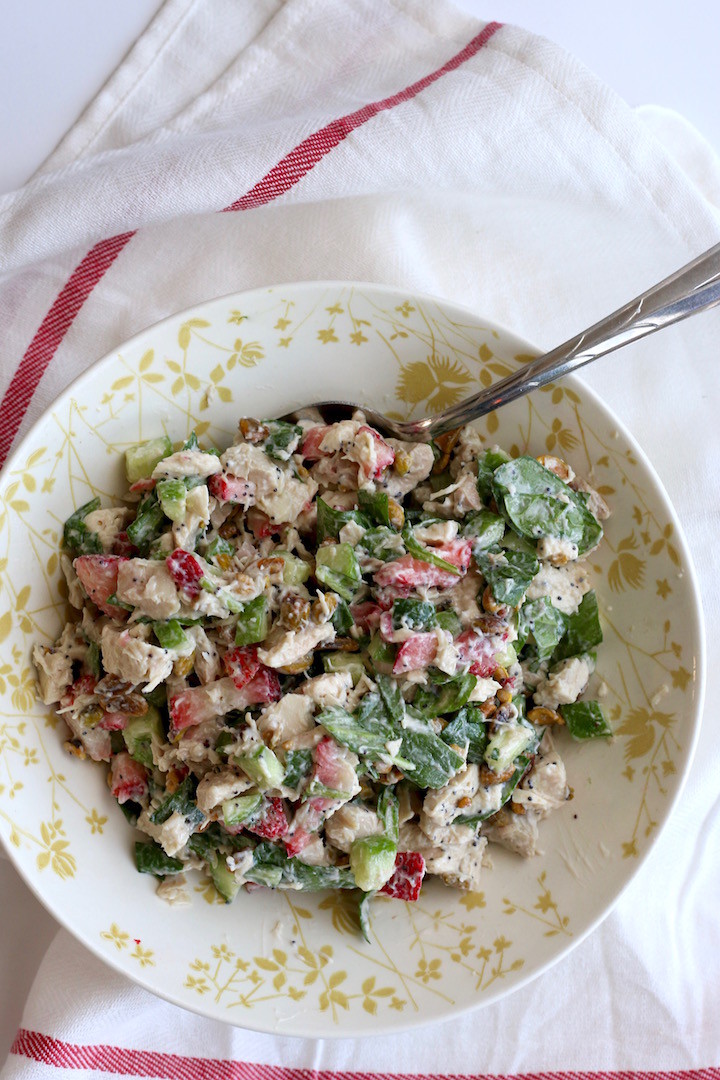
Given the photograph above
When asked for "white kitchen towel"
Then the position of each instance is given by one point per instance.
(405, 143)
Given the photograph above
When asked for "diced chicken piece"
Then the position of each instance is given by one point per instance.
(132, 659)
(173, 891)
(353, 821)
(148, 585)
(314, 853)
(564, 586)
(187, 463)
(54, 672)
(467, 450)
(216, 787)
(340, 437)
(459, 498)
(483, 690)
(419, 459)
(207, 657)
(54, 663)
(545, 787)
(464, 597)
(595, 502)
(277, 492)
(76, 594)
(329, 689)
(95, 740)
(460, 865)
(556, 551)
(306, 740)
(289, 716)
(351, 533)
(447, 656)
(564, 683)
(440, 532)
(285, 647)
(516, 832)
(441, 804)
(107, 524)
(92, 626)
(486, 800)
(445, 835)
(196, 746)
(197, 517)
(172, 835)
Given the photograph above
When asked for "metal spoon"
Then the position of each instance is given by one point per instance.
(693, 288)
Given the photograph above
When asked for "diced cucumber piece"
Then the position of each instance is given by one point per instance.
(224, 880)
(148, 525)
(252, 625)
(337, 567)
(77, 538)
(505, 746)
(171, 635)
(298, 766)
(342, 661)
(263, 767)
(239, 809)
(295, 570)
(140, 460)
(372, 861)
(507, 656)
(219, 547)
(138, 735)
(172, 495)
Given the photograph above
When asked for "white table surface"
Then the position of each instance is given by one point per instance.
(54, 57)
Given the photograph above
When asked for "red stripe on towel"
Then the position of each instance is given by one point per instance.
(280, 178)
(123, 1062)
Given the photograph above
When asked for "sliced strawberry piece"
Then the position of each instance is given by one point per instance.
(295, 843)
(271, 822)
(457, 552)
(128, 778)
(366, 615)
(406, 882)
(415, 653)
(113, 721)
(330, 763)
(263, 687)
(186, 572)
(84, 685)
(384, 455)
(261, 526)
(98, 575)
(477, 650)
(232, 489)
(145, 484)
(404, 575)
(387, 630)
(310, 448)
(123, 547)
(242, 664)
(201, 703)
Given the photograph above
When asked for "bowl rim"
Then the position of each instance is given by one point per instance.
(697, 698)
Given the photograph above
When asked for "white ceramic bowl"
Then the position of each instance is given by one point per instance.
(289, 962)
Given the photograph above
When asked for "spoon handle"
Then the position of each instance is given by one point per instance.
(693, 288)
